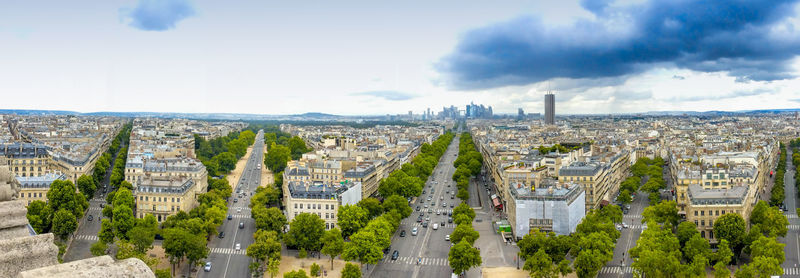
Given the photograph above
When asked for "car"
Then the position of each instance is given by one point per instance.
(221, 235)
(438, 212)
(421, 213)
(230, 217)
(435, 226)
(442, 224)
(451, 205)
(235, 200)
(424, 224)
(417, 208)
(451, 197)
(419, 219)
(433, 204)
(102, 205)
(241, 225)
(238, 209)
(395, 255)
(238, 246)
(449, 213)
(426, 205)
(207, 268)
(619, 227)
(447, 238)
(624, 225)
(403, 233)
(444, 205)
(427, 218)
(449, 220)
(429, 199)
(414, 231)
(628, 207)
(441, 198)
(423, 191)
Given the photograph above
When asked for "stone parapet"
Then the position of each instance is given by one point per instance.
(25, 253)
(96, 267)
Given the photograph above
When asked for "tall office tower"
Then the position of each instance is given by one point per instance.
(550, 109)
(520, 114)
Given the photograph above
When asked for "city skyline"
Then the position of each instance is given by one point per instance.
(148, 56)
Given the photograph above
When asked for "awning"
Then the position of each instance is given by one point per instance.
(496, 203)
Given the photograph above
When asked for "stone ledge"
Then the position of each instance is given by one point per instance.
(13, 214)
(24, 253)
(96, 267)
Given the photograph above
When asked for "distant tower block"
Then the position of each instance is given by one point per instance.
(550, 109)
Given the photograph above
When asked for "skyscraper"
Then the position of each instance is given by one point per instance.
(549, 109)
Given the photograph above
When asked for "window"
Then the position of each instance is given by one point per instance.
(703, 234)
(333, 225)
(179, 199)
(695, 222)
(702, 222)
(723, 212)
(702, 213)
(695, 213)
(295, 205)
(711, 222)
(154, 207)
(716, 212)
(709, 213)
(301, 206)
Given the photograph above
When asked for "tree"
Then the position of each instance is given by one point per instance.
(98, 248)
(106, 233)
(315, 270)
(466, 232)
(123, 221)
(142, 238)
(180, 243)
(373, 207)
(305, 230)
(696, 246)
(770, 219)
(463, 256)
(589, 262)
(760, 267)
(721, 270)
(63, 195)
(163, 273)
(264, 249)
(333, 243)
(612, 213)
(270, 219)
(731, 227)
(351, 218)
(64, 223)
(768, 247)
(625, 197)
(724, 253)
(686, 230)
(397, 203)
(38, 215)
(273, 267)
(277, 157)
(657, 252)
(297, 147)
(464, 209)
(295, 274)
(123, 196)
(86, 186)
(364, 247)
(664, 212)
(540, 265)
(351, 271)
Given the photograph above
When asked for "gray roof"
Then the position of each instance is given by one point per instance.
(580, 169)
(734, 195)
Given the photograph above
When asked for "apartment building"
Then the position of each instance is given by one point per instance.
(706, 205)
(26, 159)
(165, 196)
(366, 174)
(548, 206)
(33, 188)
(600, 177)
(322, 199)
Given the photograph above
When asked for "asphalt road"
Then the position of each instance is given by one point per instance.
(225, 260)
(791, 265)
(86, 235)
(619, 266)
(429, 246)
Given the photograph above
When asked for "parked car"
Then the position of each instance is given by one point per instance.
(221, 234)
(417, 208)
(230, 217)
(449, 220)
(403, 233)
(451, 205)
(447, 237)
(624, 225)
(207, 268)
(395, 255)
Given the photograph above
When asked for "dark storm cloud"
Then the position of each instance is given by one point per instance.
(733, 94)
(387, 95)
(707, 36)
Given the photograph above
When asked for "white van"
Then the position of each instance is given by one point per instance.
(435, 226)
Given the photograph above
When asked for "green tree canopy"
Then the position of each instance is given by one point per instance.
(332, 243)
(463, 256)
(351, 218)
(305, 230)
(351, 271)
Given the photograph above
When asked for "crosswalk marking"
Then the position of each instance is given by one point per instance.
(240, 216)
(616, 269)
(413, 260)
(229, 251)
(87, 237)
(791, 216)
(632, 216)
(791, 271)
(98, 199)
(794, 227)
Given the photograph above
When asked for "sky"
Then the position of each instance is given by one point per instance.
(378, 57)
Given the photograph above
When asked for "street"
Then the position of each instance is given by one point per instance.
(225, 260)
(619, 266)
(429, 247)
(792, 248)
